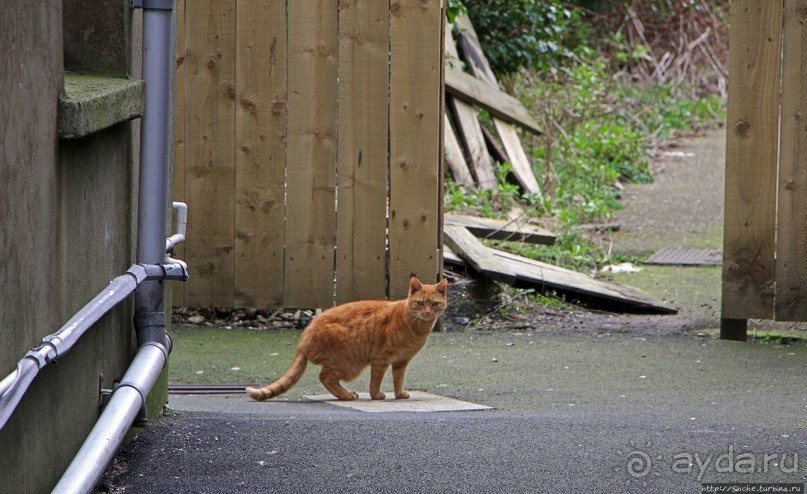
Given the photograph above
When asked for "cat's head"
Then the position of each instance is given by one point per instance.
(427, 302)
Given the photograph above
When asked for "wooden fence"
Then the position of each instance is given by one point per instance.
(308, 148)
(765, 236)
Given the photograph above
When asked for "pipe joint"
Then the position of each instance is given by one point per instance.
(43, 354)
(150, 327)
(139, 273)
(175, 270)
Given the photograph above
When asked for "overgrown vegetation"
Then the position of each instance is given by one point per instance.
(610, 82)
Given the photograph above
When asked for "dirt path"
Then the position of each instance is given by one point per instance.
(682, 207)
(684, 204)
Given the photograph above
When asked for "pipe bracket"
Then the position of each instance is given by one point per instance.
(176, 270)
(46, 357)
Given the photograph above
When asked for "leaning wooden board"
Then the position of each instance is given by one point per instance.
(478, 64)
(532, 273)
(469, 129)
(542, 276)
(475, 253)
(468, 88)
(492, 228)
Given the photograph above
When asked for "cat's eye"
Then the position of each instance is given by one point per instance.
(435, 304)
(421, 303)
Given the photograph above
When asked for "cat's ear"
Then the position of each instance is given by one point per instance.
(442, 286)
(414, 286)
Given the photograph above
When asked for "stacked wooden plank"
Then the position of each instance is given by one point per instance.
(467, 149)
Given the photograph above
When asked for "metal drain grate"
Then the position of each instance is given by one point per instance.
(686, 256)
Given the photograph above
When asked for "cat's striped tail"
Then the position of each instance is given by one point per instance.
(283, 384)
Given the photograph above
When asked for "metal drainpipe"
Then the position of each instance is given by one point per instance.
(100, 446)
(149, 319)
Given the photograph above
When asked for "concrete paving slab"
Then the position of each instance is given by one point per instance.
(419, 401)
(242, 404)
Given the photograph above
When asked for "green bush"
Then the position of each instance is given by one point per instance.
(600, 129)
(521, 34)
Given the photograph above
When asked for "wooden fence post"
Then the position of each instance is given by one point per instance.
(311, 153)
(751, 159)
(415, 148)
(363, 140)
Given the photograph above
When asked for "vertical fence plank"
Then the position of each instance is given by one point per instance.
(791, 245)
(260, 153)
(751, 156)
(415, 148)
(209, 140)
(178, 171)
(311, 153)
(362, 169)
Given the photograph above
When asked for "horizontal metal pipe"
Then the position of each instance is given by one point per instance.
(106, 437)
(14, 386)
(7, 382)
(62, 341)
(24, 374)
(115, 293)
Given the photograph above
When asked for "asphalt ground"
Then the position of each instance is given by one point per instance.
(591, 403)
(574, 412)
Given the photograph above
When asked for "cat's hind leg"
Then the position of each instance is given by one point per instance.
(330, 379)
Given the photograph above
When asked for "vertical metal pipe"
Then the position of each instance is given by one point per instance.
(152, 216)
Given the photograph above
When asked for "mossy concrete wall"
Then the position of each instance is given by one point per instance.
(67, 227)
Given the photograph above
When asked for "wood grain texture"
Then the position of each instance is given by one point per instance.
(454, 157)
(177, 290)
(465, 245)
(791, 246)
(311, 154)
(260, 153)
(479, 67)
(362, 144)
(415, 148)
(469, 131)
(536, 274)
(751, 158)
(492, 228)
(209, 142)
(271, 126)
(468, 88)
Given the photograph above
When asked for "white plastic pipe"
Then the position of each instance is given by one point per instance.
(181, 225)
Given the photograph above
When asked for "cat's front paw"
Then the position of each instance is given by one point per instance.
(403, 395)
(378, 395)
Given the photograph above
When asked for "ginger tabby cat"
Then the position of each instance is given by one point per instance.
(347, 338)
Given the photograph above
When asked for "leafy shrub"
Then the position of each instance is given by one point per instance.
(601, 128)
(516, 34)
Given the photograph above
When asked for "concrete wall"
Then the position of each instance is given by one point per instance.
(66, 226)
